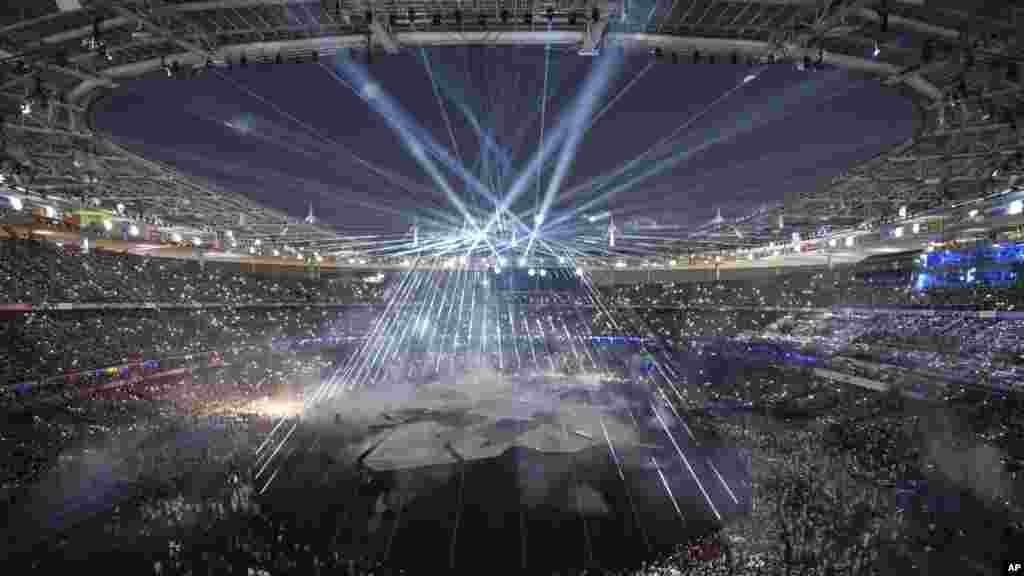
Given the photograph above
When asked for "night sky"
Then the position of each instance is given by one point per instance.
(285, 134)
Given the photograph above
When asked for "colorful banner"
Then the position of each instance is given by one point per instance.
(94, 217)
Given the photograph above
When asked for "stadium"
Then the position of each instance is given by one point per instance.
(630, 287)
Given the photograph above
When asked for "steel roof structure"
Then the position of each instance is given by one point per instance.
(961, 68)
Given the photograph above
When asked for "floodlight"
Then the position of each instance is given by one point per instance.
(1016, 207)
(898, 232)
(849, 241)
(108, 225)
(543, 272)
(973, 213)
(531, 271)
(133, 230)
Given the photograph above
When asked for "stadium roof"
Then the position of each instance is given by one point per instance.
(962, 68)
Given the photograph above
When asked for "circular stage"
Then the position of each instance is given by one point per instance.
(544, 473)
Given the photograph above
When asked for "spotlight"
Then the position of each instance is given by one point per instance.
(502, 261)
(561, 259)
(522, 261)
(16, 203)
(531, 272)
(26, 108)
(849, 241)
(538, 219)
(543, 272)
(108, 225)
(579, 271)
(497, 270)
(133, 230)
(877, 51)
(1016, 207)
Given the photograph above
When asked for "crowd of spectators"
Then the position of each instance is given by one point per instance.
(882, 444)
(38, 271)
